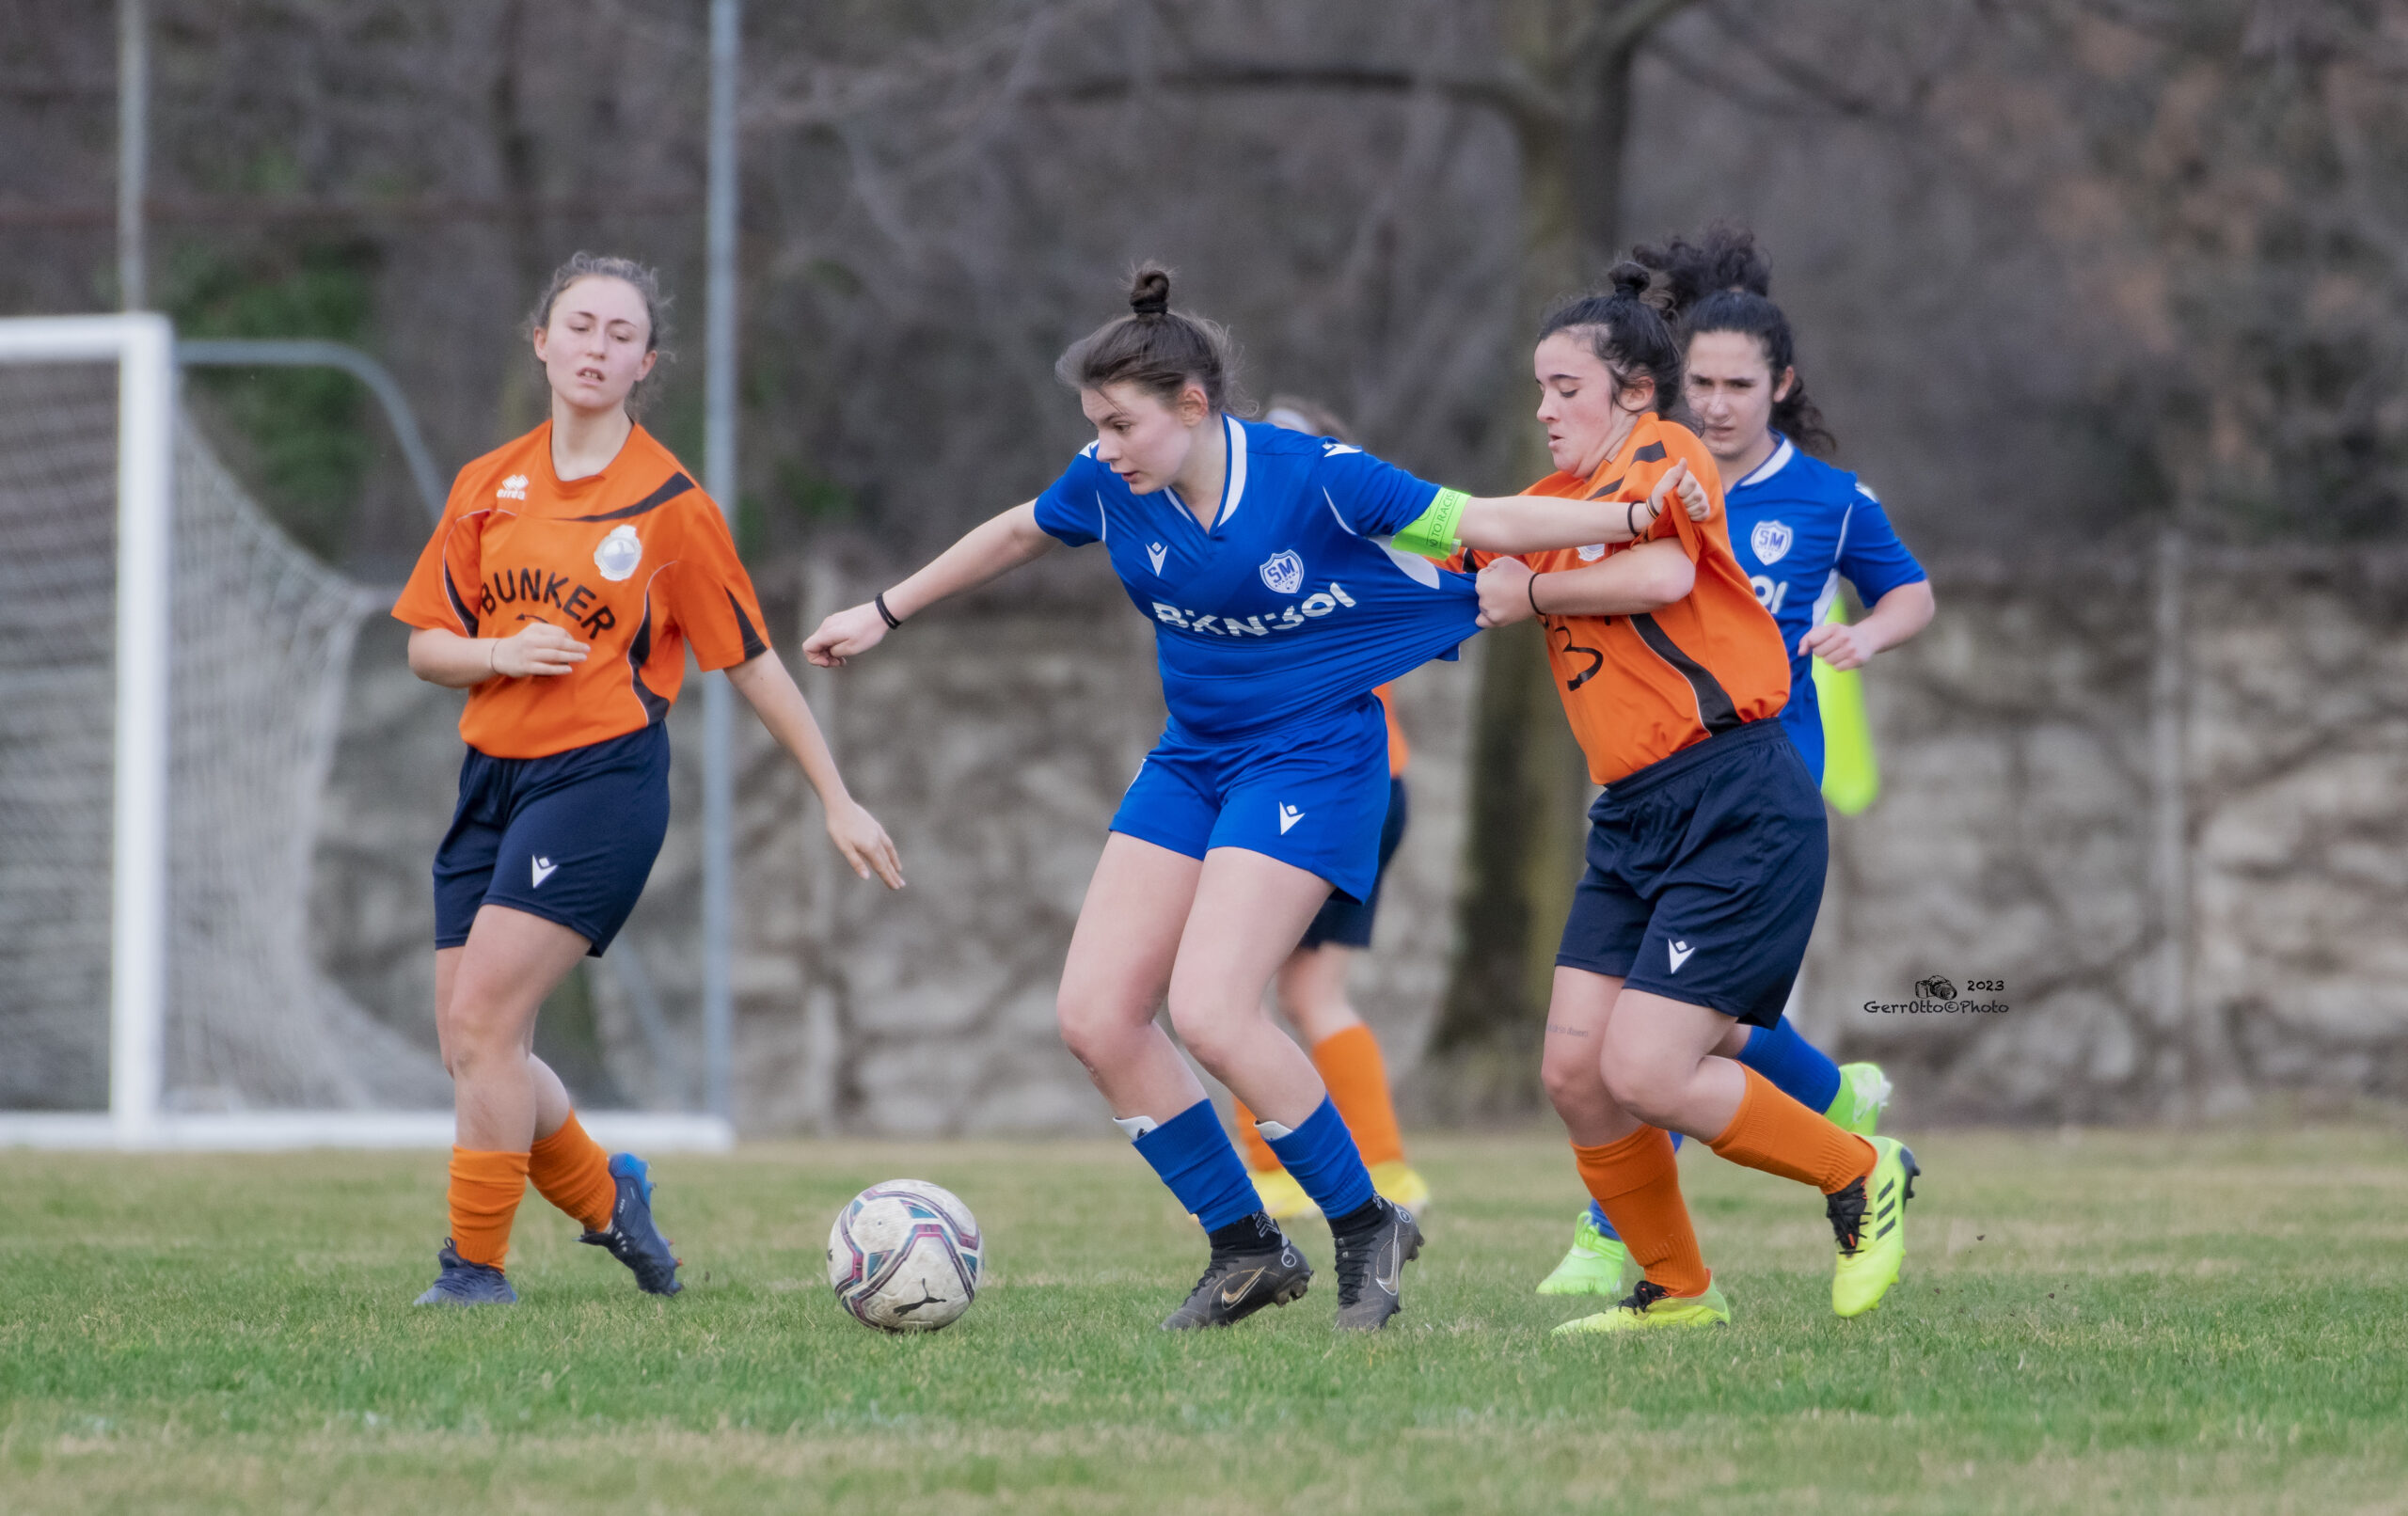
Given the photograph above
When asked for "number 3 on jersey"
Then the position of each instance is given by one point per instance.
(1596, 659)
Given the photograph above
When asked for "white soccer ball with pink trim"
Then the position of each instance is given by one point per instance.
(904, 1256)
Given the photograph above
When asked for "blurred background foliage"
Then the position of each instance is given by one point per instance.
(2063, 272)
(2059, 265)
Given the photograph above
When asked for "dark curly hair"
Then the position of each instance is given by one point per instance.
(1721, 283)
(1629, 336)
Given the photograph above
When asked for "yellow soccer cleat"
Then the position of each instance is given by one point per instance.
(1594, 1266)
(1400, 1182)
(1869, 1222)
(1281, 1195)
(1864, 1091)
(1649, 1307)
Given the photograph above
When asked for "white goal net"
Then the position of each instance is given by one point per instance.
(260, 636)
(172, 674)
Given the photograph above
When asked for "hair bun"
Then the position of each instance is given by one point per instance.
(1630, 279)
(1149, 290)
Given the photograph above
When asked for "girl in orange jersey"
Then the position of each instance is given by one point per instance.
(570, 572)
(1707, 851)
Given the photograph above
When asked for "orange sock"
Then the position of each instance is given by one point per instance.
(1637, 1182)
(484, 1194)
(572, 1171)
(1259, 1158)
(1357, 1078)
(1776, 1134)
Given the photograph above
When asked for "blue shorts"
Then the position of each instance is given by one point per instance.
(1314, 795)
(1706, 870)
(1348, 923)
(570, 837)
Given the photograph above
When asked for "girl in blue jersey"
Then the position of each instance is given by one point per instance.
(1262, 556)
(1799, 527)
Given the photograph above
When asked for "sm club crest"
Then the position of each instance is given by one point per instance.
(1771, 540)
(1284, 572)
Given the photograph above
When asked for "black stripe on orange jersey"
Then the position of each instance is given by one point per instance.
(1714, 711)
(1653, 452)
(671, 488)
(655, 710)
(754, 646)
(459, 606)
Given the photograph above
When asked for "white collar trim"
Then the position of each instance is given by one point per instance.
(1774, 464)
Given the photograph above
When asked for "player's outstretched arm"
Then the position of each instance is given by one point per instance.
(988, 550)
(1534, 523)
(445, 658)
(1648, 578)
(763, 682)
(1894, 618)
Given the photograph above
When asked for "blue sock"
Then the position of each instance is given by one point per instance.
(1192, 1153)
(1321, 1156)
(1796, 1067)
(1597, 1212)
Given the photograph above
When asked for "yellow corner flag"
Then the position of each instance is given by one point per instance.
(1851, 775)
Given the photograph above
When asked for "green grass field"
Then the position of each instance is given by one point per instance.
(2103, 1319)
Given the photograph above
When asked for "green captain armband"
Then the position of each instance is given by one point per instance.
(1433, 533)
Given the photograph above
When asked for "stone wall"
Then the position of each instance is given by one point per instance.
(2012, 843)
(993, 744)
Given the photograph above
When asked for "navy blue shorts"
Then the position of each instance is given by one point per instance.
(1348, 923)
(570, 838)
(1705, 871)
(1313, 793)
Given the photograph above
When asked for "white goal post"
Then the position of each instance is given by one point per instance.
(144, 921)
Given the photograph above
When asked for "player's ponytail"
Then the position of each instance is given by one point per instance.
(1724, 284)
(1159, 350)
(1629, 336)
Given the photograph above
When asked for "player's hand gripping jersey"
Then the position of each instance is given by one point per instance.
(1639, 688)
(1290, 605)
(635, 560)
(1798, 528)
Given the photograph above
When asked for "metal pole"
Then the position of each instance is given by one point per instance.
(718, 477)
(145, 640)
(132, 151)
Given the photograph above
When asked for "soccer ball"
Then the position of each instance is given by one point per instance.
(903, 1257)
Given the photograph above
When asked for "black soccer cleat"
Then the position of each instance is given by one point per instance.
(1371, 1269)
(1237, 1284)
(462, 1283)
(633, 1239)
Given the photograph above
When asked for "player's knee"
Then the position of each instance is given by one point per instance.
(1571, 1079)
(1089, 1028)
(1640, 1087)
(1211, 1032)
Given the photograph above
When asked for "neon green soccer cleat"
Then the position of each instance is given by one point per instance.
(1282, 1197)
(1869, 1221)
(1594, 1266)
(1649, 1307)
(1864, 1091)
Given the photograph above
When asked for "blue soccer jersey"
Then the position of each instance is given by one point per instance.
(1291, 604)
(1799, 527)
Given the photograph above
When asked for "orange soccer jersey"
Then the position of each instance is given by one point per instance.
(1639, 688)
(635, 561)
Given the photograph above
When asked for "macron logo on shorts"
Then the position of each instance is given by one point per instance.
(545, 868)
(1679, 953)
(1288, 817)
